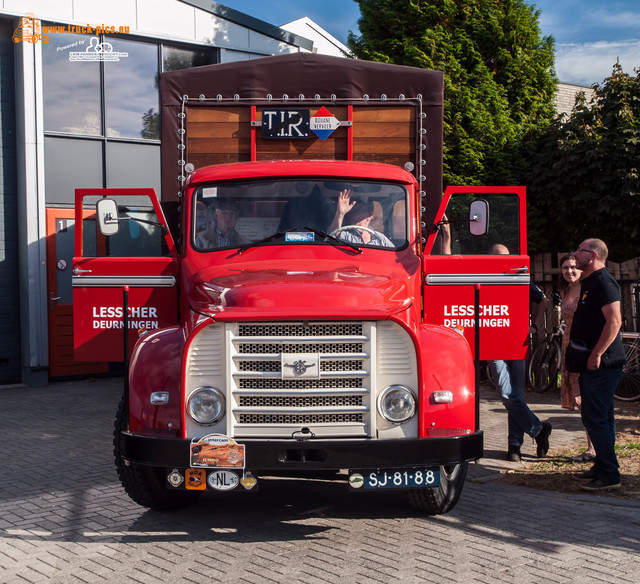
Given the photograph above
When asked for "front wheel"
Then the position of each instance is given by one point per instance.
(544, 366)
(443, 498)
(146, 485)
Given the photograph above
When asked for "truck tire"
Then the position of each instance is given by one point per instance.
(146, 485)
(443, 498)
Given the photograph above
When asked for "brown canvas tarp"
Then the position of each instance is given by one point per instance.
(293, 75)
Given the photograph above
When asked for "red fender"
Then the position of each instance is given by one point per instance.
(155, 366)
(446, 364)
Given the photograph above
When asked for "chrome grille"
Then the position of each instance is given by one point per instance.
(275, 366)
(333, 400)
(300, 420)
(261, 383)
(281, 377)
(268, 348)
(300, 329)
(307, 401)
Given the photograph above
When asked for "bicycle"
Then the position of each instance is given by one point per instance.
(546, 361)
(629, 387)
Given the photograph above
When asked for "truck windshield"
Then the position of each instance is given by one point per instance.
(237, 214)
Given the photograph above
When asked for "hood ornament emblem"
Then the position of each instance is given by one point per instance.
(299, 366)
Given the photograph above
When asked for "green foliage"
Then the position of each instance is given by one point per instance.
(585, 173)
(499, 80)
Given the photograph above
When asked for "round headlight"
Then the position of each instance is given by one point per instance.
(397, 404)
(205, 405)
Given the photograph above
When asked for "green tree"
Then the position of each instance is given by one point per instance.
(586, 173)
(499, 79)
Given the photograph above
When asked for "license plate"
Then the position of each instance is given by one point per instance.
(406, 478)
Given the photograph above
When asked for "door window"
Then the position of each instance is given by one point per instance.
(504, 226)
(140, 234)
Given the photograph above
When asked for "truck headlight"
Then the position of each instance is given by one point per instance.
(397, 403)
(205, 405)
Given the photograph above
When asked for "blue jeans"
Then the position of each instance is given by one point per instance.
(596, 390)
(510, 377)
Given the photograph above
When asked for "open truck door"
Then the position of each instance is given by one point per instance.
(128, 247)
(486, 248)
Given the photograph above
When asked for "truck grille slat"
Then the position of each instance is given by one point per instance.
(261, 383)
(280, 330)
(295, 421)
(307, 401)
(308, 347)
(275, 366)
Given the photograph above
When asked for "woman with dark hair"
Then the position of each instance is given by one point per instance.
(569, 288)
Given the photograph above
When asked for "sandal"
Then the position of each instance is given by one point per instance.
(584, 457)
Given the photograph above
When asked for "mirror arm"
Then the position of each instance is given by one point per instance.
(439, 224)
(108, 219)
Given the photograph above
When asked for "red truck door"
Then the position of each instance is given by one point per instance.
(139, 253)
(496, 260)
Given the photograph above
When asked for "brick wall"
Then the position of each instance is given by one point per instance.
(566, 96)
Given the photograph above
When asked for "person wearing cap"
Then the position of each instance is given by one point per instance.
(223, 232)
(352, 219)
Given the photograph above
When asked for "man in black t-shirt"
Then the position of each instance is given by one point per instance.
(597, 323)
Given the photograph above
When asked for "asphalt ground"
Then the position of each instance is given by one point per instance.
(64, 517)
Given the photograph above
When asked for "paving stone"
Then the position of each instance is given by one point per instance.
(64, 517)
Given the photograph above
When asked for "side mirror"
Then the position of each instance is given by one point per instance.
(479, 217)
(108, 220)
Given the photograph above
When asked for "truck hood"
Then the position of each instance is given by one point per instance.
(245, 293)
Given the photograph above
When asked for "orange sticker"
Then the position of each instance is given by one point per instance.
(195, 479)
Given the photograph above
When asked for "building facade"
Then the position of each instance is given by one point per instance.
(80, 108)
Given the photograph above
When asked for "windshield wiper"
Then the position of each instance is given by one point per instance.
(333, 239)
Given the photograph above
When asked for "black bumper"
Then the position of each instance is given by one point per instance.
(284, 455)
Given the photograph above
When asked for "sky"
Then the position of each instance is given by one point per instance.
(590, 35)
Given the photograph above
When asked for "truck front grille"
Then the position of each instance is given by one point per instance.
(279, 378)
(334, 401)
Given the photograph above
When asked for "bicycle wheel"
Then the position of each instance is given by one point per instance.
(544, 366)
(629, 387)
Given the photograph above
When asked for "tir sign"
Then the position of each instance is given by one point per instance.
(290, 124)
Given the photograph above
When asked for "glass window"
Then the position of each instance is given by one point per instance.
(131, 91)
(174, 58)
(503, 225)
(71, 89)
(133, 165)
(140, 233)
(70, 164)
(281, 212)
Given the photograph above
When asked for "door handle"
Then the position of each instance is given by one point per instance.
(52, 300)
(77, 271)
(522, 270)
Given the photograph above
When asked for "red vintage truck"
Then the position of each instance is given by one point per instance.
(318, 303)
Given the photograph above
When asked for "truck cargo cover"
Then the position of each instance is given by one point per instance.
(293, 75)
